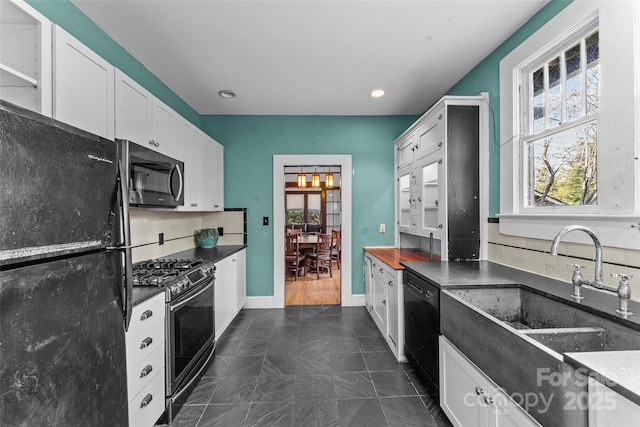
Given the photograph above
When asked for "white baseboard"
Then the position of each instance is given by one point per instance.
(357, 300)
(260, 302)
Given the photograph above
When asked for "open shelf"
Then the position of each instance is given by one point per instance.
(13, 78)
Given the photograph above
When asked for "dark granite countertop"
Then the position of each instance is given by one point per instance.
(141, 294)
(614, 366)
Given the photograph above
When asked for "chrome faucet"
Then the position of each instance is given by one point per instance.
(577, 279)
(623, 290)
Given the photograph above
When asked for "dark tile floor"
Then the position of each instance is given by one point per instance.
(307, 366)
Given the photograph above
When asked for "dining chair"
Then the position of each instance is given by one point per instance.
(336, 250)
(294, 231)
(321, 258)
(293, 259)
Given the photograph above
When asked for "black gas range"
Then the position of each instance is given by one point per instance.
(190, 320)
(177, 276)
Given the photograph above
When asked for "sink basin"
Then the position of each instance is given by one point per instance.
(555, 324)
(518, 337)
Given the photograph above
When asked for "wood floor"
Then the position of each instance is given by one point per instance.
(308, 290)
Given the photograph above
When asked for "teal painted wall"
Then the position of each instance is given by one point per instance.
(249, 145)
(485, 77)
(71, 19)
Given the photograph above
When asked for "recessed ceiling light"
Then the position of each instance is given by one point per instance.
(227, 94)
(377, 93)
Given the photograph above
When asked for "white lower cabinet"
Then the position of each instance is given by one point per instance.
(384, 301)
(609, 408)
(230, 290)
(469, 398)
(146, 362)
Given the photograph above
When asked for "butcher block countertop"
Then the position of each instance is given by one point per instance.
(393, 256)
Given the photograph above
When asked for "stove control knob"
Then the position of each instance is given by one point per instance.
(175, 289)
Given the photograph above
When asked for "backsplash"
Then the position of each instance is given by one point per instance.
(533, 255)
(179, 230)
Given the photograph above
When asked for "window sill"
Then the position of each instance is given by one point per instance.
(619, 231)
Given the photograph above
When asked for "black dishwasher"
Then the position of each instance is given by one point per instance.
(421, 329)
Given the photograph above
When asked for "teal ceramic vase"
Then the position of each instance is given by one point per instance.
(207, 237)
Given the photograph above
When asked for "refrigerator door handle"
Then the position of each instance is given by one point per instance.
(126, 248)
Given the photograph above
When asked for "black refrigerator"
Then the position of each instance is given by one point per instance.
(64, 294)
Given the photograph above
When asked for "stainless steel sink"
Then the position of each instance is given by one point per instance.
(518, 337)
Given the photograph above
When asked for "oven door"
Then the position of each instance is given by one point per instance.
(191, 335)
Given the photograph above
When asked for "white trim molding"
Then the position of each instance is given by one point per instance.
(279, 163)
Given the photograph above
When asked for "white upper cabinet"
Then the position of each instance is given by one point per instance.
(193, 142)
(25, 57)
(213, 175)
(83, 88)
(164, 129)
(144, 119)
(133, 110)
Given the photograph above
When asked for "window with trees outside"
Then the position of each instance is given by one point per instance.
(304, 208)
(560, 144)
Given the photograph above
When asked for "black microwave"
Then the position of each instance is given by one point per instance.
(154, 180)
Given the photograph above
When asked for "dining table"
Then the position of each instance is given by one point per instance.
(307, 242)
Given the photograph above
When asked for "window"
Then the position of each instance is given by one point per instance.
(569, 139)
(304, 208)
(562, 101)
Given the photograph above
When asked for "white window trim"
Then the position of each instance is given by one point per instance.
(618, 168)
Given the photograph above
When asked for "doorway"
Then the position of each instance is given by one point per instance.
(282, 164)
(312, 210)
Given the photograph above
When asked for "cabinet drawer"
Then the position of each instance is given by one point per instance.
(145, 371)
(378, 269)
(147, 406)
(144, 341)
(146, 313)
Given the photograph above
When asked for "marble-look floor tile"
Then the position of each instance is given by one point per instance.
(279, 364)
(406, 412)
(392, 383)
(270, 414)
(347, 362)
(218, 366)
(313, 363)
(382, 361)
(316, 413)
(228, 414)
(188, 416)
(350, 385)
(309, 387)
(234, 390)
(244, 366)
(361, 413)
(201, 393)
(373, 344)
(274, 388)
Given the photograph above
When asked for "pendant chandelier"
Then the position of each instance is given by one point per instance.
(328, 180)
(315, 179)
(302, 179)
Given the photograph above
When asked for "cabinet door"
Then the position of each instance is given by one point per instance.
(241, 280)
(504, 412)
(404, 201)
(608, 408)
(83, 86)
(164, 133)
(405, 151)
(25, 57)
(431, 135)
(392, 304)
(379, 298)
(462, 388)
(432, 199)
(368, 279)
(133, 110)
(213, 175)
(194, 167)
(224, 295)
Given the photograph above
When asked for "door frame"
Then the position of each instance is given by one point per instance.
(279, 163)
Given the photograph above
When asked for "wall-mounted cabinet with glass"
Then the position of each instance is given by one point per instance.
(438, 191)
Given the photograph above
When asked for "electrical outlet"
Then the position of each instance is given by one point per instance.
(265, 220)
(382, 228)
(161, 238)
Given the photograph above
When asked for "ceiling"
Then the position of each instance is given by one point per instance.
(309, 57)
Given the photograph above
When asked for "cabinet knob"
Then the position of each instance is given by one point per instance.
(384, 302)
(390, 282)
(146, 342)
(146, 371)
(147, 399)
(479, 391)
(440, 226)
(381, 270)
(440, 144)
(488, 400)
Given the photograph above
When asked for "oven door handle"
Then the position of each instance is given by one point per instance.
(181, 303)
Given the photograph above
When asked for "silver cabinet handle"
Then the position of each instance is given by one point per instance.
(147, 399)
(146, 371)
(479, 391)
(440, 144)
(488, 400)
(154, 143)
(381, 270)
(390, 282)
(147, 314)
(384, 302)
(146, 342)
